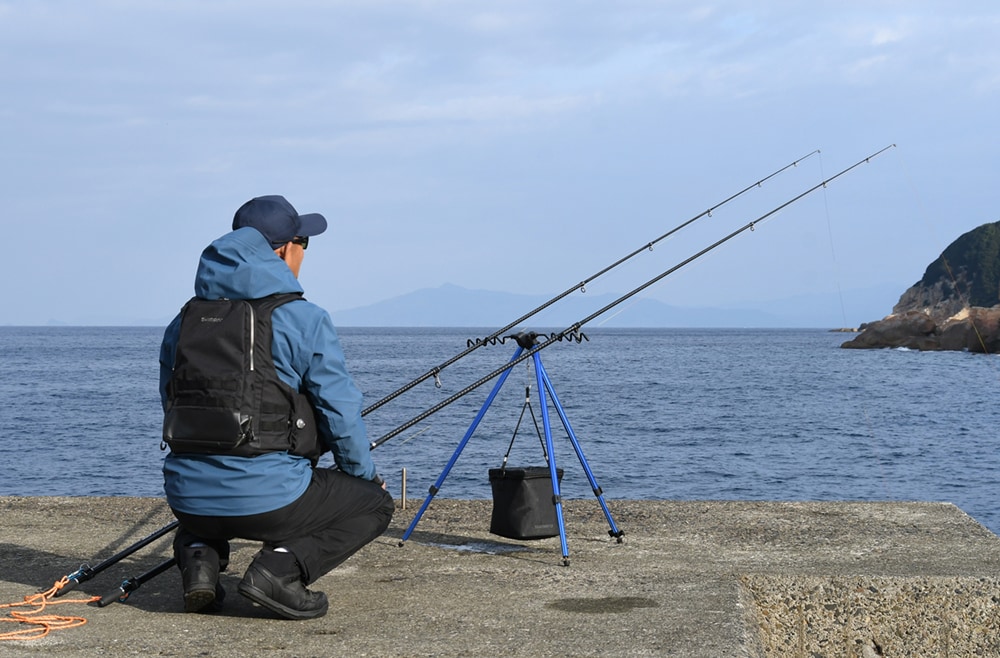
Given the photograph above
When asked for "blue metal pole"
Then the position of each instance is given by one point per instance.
(553, 472)
(461, 446)
(544, 377)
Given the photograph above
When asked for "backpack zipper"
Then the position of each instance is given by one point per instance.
(253, 325)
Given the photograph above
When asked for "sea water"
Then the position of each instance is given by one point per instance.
(658, 414)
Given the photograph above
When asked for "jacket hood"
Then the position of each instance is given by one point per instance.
(242, 265)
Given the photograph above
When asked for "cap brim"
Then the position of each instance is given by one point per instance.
(311, 224)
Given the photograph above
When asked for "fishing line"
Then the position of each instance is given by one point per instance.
(929, 228)
(573, 331)
(524, 340)
(620, 311)
(413, 436)
(833, 252)
(865, 411)
(496, 337)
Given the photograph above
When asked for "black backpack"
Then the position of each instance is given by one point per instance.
(225, 396)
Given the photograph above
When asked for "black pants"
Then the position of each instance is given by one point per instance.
(330, 522)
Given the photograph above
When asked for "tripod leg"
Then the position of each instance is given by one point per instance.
(458, 451)
(598, 492)
(553, 471)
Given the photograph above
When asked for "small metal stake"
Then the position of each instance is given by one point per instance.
(402, 494)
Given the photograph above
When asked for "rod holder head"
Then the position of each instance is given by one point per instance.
(525, 339)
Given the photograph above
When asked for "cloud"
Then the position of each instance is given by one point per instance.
(988, 84)
(887, 35)
(460, 116)
(485, 108)
(866, 69)
(498, 21)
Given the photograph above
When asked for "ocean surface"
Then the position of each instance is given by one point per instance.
(660, 414)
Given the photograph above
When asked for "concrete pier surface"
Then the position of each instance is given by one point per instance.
(713, 579)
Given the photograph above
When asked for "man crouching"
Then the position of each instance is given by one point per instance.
(254, 388)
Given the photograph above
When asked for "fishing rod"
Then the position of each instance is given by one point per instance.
(86, 572)
(574, 328)
(129, 585)
(474, 345)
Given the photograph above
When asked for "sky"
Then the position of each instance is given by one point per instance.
(517, 146)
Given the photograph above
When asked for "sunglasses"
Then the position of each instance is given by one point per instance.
(304, 241)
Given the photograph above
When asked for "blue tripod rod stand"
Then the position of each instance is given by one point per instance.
(544, 384)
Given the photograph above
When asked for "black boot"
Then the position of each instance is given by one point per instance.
(274, 580)
(200, 576)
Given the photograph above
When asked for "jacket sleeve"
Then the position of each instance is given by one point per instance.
(306, 340)
(167, 347)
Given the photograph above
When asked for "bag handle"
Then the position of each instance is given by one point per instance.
(538, 432)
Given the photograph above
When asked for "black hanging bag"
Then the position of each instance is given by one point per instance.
(523, 502)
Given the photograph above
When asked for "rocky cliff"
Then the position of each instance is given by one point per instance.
(954, 306)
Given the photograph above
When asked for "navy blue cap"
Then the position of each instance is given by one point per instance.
(277, 220)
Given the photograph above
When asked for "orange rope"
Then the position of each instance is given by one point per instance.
(42, 624)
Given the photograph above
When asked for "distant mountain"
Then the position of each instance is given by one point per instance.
(453, 306)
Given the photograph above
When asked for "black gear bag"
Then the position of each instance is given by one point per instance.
(225, 396)
(523, 502)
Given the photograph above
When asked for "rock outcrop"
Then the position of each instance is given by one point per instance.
(974, 329)
(953, 307)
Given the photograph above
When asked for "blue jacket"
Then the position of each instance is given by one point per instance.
(307, 356)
